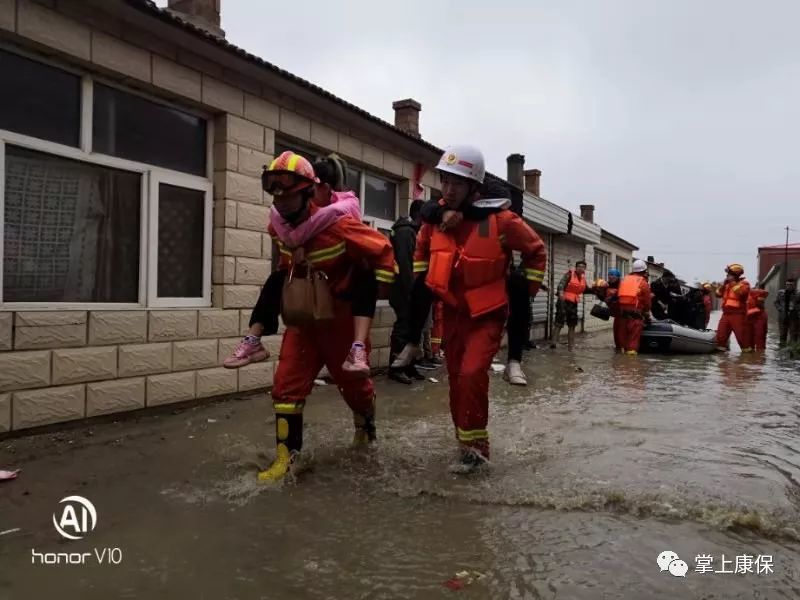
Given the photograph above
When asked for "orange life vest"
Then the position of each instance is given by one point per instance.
(731, 299)
(575, 287)
(482, 263)
(755, 302)
(629, 298)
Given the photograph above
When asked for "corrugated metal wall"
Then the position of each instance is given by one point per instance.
(540, 304)
(565, 253)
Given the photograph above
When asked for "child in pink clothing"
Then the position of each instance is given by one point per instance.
(334, 203)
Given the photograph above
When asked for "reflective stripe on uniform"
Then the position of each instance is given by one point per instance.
(420, 266)
(323, 254)
(384, 276)
(289, 408)
(470, 435)
(282, 248)
(534, 275)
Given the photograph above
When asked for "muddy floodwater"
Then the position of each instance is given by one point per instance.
(600, 465)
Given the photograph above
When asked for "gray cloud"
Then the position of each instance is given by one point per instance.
(677, 119)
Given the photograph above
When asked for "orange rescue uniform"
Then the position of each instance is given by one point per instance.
(304, 350)
(707, 306)
(634, 303)
(734, 309)
(467, 267)
(757, 319)
(610, 295)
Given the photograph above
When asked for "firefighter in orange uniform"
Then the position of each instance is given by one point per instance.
(466, 268)
(734, 293)
(708, 301)
(336, 251)
(436, 331)
(757, 319)
(634, 306)
(608, 292)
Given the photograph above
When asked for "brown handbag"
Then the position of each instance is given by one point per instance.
(306, 300)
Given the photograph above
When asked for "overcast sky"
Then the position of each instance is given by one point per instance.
(678, 119)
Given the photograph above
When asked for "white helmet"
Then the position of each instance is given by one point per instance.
(639, 266)
(464, 161)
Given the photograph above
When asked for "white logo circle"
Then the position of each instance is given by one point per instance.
(78, 518)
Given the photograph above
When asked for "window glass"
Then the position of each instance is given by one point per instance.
(623, 265)
(354, 180)
(601, 264)
(39, 100)
(131, 127)
(71, 231)
(181, 218)
(380, 198)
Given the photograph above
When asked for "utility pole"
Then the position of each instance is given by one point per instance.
(786, 276)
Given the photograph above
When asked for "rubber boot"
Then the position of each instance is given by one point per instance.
(289, 441)
(471, 458)
(571, 339)
(364, 424)
(556, 335)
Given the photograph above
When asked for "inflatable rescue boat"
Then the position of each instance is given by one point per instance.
(669, 337)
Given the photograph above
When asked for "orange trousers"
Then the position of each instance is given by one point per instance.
(757, 330)
(630, 332)
(733, 323)
(304, 351)
(471, 344)
(437, 329)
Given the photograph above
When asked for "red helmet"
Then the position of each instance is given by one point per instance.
(287, 174)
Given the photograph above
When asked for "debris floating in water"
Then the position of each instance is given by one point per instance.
(7, 531)
(320, 382)
(8, 475)
(212, 420)
(463, 579)
(498, 368)
(433, 380)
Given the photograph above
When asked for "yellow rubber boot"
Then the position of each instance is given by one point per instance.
(289, 438)
(632, 353)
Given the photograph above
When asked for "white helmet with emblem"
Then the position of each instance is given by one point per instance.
(639, 266)
(464, 161)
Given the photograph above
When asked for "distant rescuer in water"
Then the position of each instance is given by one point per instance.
(466, 266)
(635, 300)
(572, 286)
(734, 293)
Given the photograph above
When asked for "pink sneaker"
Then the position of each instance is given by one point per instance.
(356, 362)
(246, 353)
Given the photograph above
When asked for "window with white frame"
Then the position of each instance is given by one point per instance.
(378, 194)
(105, 194)
(623, 266)
(601, 261)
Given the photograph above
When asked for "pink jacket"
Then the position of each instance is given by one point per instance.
(342, 204)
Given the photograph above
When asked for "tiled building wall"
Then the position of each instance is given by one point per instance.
(58, 365)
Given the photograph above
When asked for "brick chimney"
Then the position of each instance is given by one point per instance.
(516, 170)
(651, 259)
(406, 115)
(587, 212)
(204, 14)
(532, 178)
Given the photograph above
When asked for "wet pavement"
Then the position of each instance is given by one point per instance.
(601, 464)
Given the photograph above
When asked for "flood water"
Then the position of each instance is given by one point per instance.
(599, 465)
